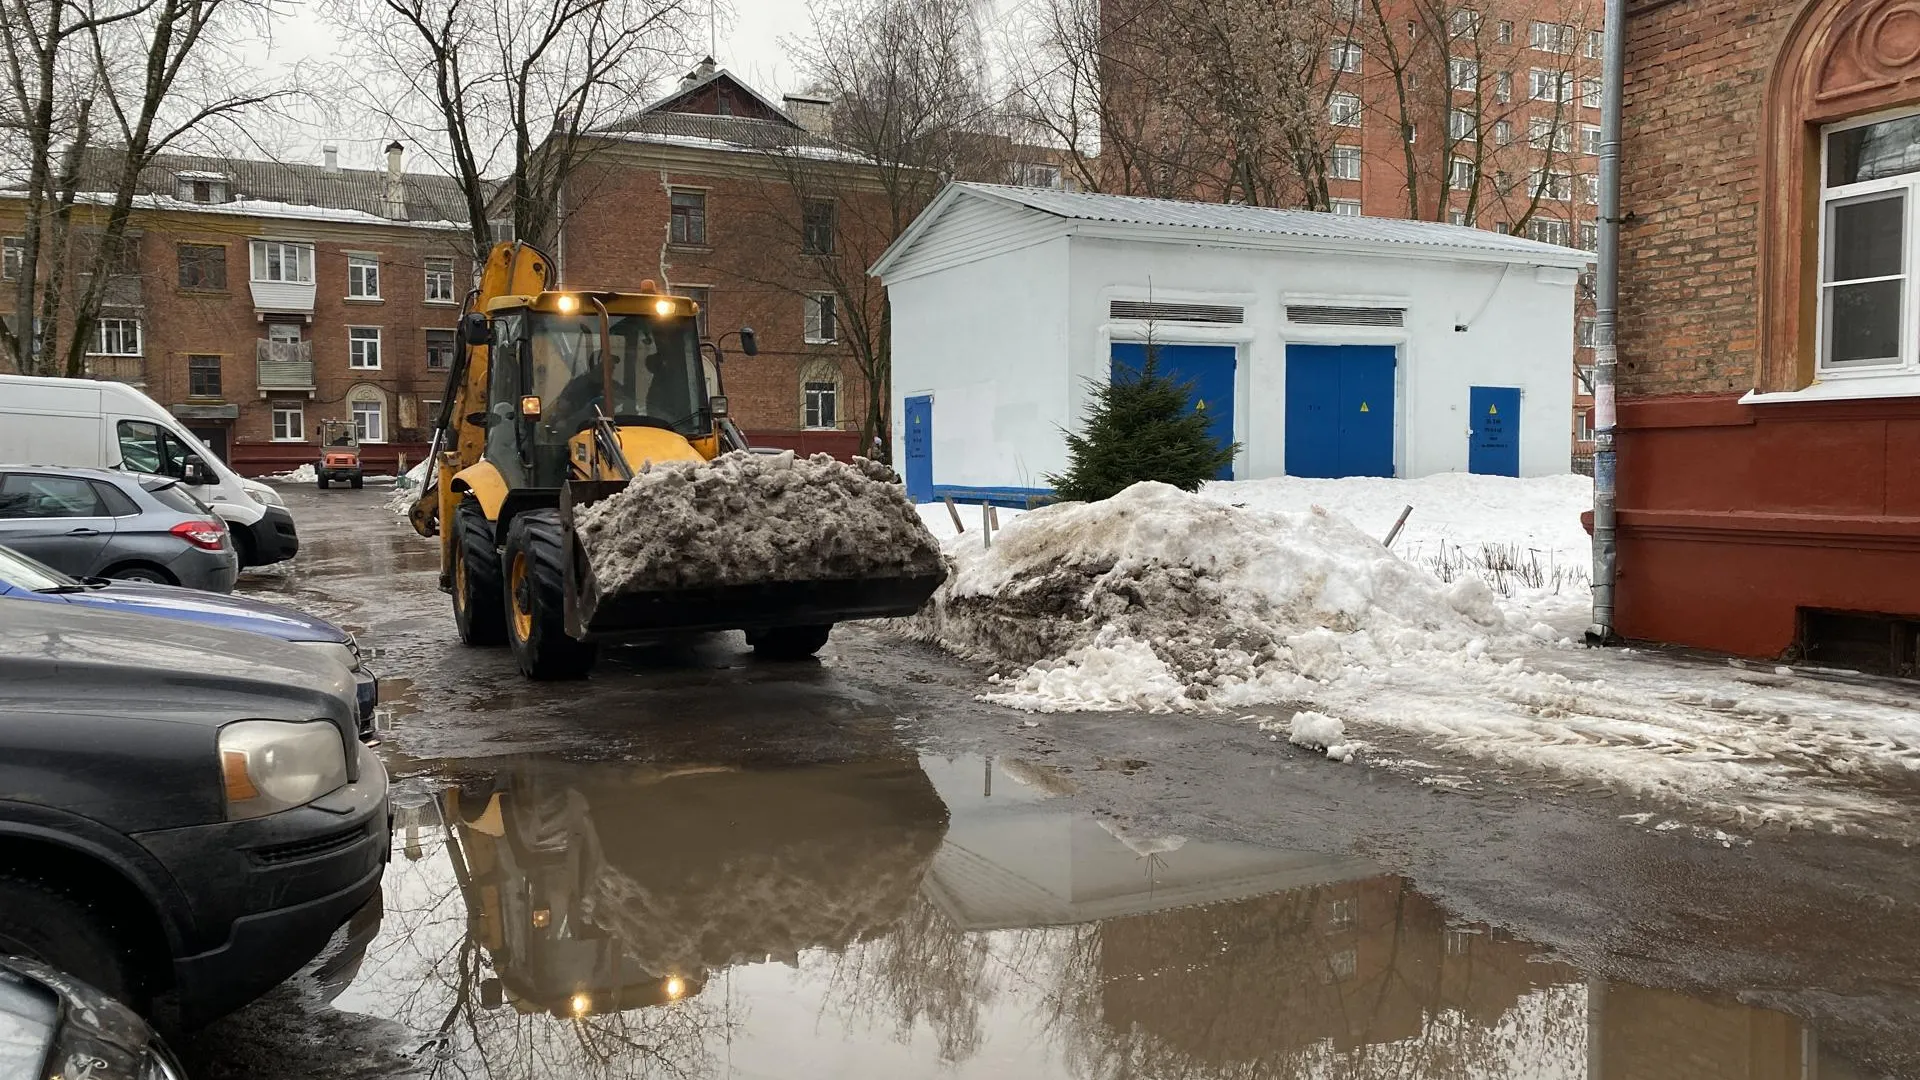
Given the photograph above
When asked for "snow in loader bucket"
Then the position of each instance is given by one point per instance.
(749, 542)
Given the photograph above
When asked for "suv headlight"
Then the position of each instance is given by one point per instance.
(266, 496)
(270, 765)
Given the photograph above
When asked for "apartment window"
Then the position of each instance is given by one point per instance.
(1461, 124)
(440, 281)
(203, 376)
(1590, 235)
(13, 255)
(370, 421)
(1032, 174)
(822, 325)
(1583, 332)
(820, 404)
(1345, 56)
(440, 346)
(1463, 74)
(1548, 231)
(1552, 37)
(289, 424)
(1589, 138)
(113, 255)
(1345, 207)
(689, 218)
(430, 412)
(1343, 163)
(202, 266)
(1583, 425)
(1343, 964)
(1456, 217)
(1466, 23)
(702, 297)
(290, 264)
(1593, 93)
(117, 337)
(1552, 184)
(1346, 9)
(1545, 132)
(1871, 177)
(363, 347)
(1596, 43)
(1504, 32)
(1504, 228)
(1461, 176)
(1502, 182)
(1340, 915)
(816, 225)
(1503, 87)
(363, 277)
(1413, 30)
(1343, 110)
(1545, 85)
(1503, 133)
(1592, 183)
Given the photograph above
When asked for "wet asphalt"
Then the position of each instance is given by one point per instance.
(698, 865)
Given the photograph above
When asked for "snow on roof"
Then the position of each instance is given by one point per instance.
(196, 174)
(1248, 225)
(816, 153)
(266, 208)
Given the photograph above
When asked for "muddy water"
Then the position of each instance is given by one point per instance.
(903, 917)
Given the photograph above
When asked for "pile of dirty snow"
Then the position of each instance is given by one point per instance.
(406, 489)
(302, 475)
(755, 517)
(1161, 600)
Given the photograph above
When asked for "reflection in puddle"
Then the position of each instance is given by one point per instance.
(901, 917)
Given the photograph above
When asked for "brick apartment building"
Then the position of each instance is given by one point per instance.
(1769, 380)
(1483, 114)
(254, 299)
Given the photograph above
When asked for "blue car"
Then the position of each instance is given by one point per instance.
(24, 578)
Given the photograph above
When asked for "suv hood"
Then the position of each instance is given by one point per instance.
(212, 609)
(71, 659)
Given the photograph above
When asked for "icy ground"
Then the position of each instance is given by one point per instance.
(1246, 595)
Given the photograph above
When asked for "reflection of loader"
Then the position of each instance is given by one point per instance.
(556, 400)
(606, 889)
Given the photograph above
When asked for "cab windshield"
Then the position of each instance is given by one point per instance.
(656, 370)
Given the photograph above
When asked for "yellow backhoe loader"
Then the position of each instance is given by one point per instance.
(557, 398)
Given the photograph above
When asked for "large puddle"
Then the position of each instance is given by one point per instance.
(935, 917)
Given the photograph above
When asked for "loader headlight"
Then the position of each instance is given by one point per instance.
(270, 765)
(567, 304)
(663, 307)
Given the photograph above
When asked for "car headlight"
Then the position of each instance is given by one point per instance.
(266, 496)
(270, 765)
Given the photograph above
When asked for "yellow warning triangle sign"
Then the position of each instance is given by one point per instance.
(1493, 410)
(1363, 407)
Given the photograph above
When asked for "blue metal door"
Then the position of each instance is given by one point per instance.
(1209, 368)
(1494, 416)
(919, 449)
(1340, 407)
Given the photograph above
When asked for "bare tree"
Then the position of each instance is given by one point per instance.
(142, 75)
(504, 88)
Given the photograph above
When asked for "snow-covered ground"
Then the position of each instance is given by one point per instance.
(1278, 593)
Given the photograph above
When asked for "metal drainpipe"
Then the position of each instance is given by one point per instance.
(1606, 317)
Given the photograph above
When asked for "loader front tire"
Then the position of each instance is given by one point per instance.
(535, 606)
(478, 609)
(788, 643)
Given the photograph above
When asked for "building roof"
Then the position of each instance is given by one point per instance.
(677, 120)
(1242, 226)
(282, 189)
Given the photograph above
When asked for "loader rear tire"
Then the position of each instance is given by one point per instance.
(535, 605)
(478, 607)
(788, 643)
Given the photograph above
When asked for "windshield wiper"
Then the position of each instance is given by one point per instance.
(73, 588)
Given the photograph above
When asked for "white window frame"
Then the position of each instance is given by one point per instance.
(298, 428)
(1907, 185)
(357, 339)
(1545, 84)
(1462, 124)
(1458, 217)
(1345, 207)
(1344, 56)
(1551, 37)
(1593, 92)
(1545, 133)
(363, 277)
(1343, 109)
(1583, 331)
(1503, 87)
(1466, 23)
(1590, 139)
(1503, 34)
(114, 342)
(1463, 74)
(815, 333)
(1596, 44)
(1503, 133)
(13, 257)
(435, 275)
(1534, 227)
(1344, 163)
(263, 254)
(1559, 185)
(369, 433)
(1589, 236)
(1462, 175)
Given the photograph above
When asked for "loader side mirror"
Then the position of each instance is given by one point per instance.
(717, 405)
(474, 329)
(748, 343)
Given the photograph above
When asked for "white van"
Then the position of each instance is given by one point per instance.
(110, 425)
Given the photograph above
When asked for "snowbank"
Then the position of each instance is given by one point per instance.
(1161, 600)
(302, 475)
(407, 489)
(755, 517)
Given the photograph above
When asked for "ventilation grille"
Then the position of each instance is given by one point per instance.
(1317, 315)
(1187, 313)
(275, 854)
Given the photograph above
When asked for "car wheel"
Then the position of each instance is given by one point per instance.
(536, 601)
(136, 572)
(789, 642)
(62, 931)
(478, 610)
(320, 481)
(356, 482)
(243, 544)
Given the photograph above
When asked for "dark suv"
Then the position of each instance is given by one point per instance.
(187, 813)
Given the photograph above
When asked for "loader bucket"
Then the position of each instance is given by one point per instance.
(768, 605)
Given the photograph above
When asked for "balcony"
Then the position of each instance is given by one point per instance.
(284, 365)
(131, 370)
(282, 296)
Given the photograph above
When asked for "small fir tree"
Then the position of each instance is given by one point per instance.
(1139, 428)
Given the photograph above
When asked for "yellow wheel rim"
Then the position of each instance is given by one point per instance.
(522, 598)
(459, 581)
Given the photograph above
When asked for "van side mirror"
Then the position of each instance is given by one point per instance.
(194, 472)
(474, 329)
(748, 344)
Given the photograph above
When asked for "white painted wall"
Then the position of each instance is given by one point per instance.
(1005, 345)
(987, 340)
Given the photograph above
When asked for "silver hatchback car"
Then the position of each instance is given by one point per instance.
(111, 524)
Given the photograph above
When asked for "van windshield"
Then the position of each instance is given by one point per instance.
(147, 447)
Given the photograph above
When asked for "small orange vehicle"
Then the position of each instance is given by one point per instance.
(339, 453)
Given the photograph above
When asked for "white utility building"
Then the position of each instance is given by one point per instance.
(1324, 345)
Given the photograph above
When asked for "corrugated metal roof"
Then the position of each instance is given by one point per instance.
(1267, 221)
